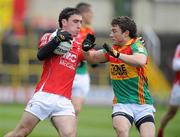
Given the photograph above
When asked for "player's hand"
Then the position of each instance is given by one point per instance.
(62, 36)
(111, 51)
(88, 43)
(142, 40)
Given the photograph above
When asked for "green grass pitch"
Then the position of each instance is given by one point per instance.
(94, 121)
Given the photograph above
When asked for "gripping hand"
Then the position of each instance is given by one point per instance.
(142, 40)
(88, 43)
(62, 36)
(111, 51)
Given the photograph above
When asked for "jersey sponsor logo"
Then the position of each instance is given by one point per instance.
(118, 70)
(70, 56)
(69, 60)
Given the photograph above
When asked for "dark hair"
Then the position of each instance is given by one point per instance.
(66, 13)
(126, 23)
(83, 7)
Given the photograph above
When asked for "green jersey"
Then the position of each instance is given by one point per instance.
(130, 84)
(82, 68)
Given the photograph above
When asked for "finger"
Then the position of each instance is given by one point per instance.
(142, 40)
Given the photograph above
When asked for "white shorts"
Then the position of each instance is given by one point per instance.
(175, 95)
(81, 85)
(134, 110)
(44, 105)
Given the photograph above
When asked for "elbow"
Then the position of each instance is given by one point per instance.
(40, 57)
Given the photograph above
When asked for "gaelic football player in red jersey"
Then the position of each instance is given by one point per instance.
(53, 93)
(174, 101)
(81, 83)
(128, 67)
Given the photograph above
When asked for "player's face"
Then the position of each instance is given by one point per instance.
(73, 24)
(118, 37)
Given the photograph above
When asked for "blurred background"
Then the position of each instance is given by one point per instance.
(23, 22)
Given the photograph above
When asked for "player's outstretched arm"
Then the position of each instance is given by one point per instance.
(92, 56)
(136, 59)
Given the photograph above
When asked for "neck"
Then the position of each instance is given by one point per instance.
(124, 41)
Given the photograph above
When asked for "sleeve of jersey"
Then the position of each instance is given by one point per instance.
(137, 47)
(44, 40)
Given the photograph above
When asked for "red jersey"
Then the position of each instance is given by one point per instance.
(59, 71)
(176, 65)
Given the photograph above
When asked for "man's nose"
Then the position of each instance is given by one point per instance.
(79, 24)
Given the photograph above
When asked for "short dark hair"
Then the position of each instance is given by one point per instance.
(126, 23)
(66, 13)
(82, 7)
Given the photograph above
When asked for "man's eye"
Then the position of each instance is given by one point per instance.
(76, 21)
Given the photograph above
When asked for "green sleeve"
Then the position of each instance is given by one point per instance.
(137, 47)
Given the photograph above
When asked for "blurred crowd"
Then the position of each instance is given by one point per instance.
(24, 34)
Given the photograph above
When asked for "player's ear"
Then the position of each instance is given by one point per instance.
(126, 33)
(64, 22)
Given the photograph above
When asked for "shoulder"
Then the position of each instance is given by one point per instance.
(45, 36)
(137, 43)
(44, 39)
(86, 29)
(89, 30)
(138, 47)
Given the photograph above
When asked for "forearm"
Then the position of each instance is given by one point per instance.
(47, 50)
(95, 57)
(133, 60)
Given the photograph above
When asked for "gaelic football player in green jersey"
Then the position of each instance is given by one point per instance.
(128, 67)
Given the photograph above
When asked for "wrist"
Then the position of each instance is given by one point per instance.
(85, 51)
(119, 55)
(115, 54)
(57, 39)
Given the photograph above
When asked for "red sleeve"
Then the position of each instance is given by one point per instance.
(44, 39)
